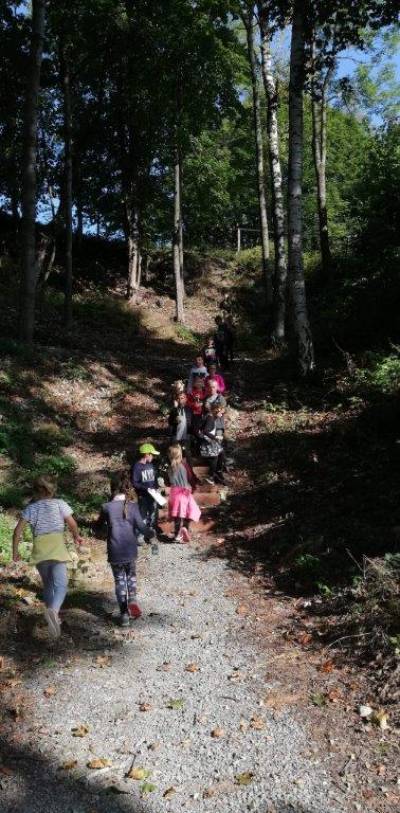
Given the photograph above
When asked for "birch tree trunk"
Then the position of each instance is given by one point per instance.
(179, 311)
(319, 137)
(67, 126)
(248, 19)
(280, 287)
(301, 326)
(132, 216)
(28, 247)
(181, 257)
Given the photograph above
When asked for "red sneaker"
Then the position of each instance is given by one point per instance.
(134, 610)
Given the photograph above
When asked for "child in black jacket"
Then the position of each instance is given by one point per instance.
(124, 522)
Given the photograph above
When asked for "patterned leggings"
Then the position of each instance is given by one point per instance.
(125, 584)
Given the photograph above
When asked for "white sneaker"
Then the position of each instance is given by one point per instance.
(53, 622)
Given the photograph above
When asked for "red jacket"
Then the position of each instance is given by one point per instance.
(195, 401)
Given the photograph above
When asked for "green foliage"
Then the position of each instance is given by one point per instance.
(381, 373)
(376, 204)
(187, 335)
(7, 525)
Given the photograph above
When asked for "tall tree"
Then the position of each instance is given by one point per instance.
(28, 243)
(249, 20)
(65, 77)
(320, 82)
(300, 321)
(278, 207)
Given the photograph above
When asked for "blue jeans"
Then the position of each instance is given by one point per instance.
(55, 582)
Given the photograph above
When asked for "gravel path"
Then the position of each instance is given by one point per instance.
(188, 619)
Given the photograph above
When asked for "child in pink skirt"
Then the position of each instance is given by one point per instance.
(182, 506)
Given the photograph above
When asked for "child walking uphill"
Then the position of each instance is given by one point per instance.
(182, 506)
(144, 477)
(124, 523)
(48, 517)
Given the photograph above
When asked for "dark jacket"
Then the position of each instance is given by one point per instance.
(143, 477)
(174, 423)
(122, 533)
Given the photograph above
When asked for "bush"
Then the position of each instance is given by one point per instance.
(382, 373)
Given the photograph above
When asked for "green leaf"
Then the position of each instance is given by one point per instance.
(244, 778)
(318, 699)
(175, 704)
(147, 787)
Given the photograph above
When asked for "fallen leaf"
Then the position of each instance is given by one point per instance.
(80, 730)
(68, 765)
(102, 661)
(243, 725)
(381, 770)
(318, 699)
(380, 718)
(242, 610)
(145, 707)
(334, 695)
(176, 704)
(168, 794)
(365, 711)
(257, 723)
(244, 778)
(192, 667)
(98, 763)
(50, 691)
(326, 667)
(217, 733)
(305, 638)
(138, 773)
(147, 787)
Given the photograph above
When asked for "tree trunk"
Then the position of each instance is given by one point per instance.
(132, 215)
(262, 199)
(28, 247)
(280, 293)
(319, 135)
(67, 126)
(181, 258)
(179, 311)
(301, 326)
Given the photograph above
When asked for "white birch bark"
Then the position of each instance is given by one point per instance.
(28, 246)
(133, 250)
(179, 309)
(301, 326)
(280, 287)
(319, 144)
(248, 19)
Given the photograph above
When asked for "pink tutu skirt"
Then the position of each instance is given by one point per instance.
(182, 504)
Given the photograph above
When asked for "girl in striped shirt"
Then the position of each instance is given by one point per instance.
(47, 517)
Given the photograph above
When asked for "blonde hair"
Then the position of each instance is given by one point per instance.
(175, 455)
(44, 487)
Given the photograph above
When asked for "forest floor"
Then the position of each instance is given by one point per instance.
(236, 690)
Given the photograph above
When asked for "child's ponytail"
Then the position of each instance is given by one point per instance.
(121, 484)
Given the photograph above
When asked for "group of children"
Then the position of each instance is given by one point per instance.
(197, 427)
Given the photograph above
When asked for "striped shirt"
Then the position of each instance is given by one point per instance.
(47, 516)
